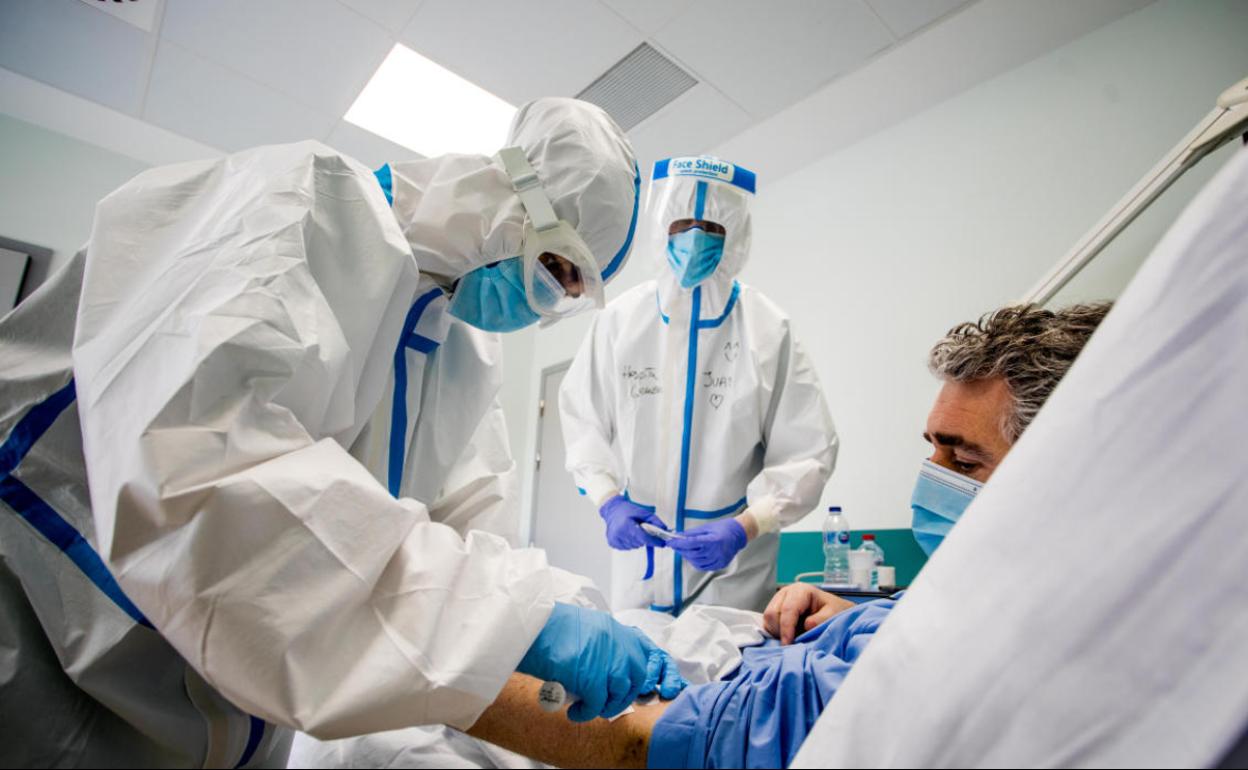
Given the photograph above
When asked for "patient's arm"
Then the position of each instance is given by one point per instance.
(515, 722)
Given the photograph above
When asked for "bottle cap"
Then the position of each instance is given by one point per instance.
(868, 536)
(834, 509)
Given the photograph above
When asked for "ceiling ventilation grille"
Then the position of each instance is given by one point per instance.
(638, 86)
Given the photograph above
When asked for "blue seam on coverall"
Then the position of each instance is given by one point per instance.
(685, 444)
(690, 513)
(386, 179)
(49, 523)
(615, 262)
(710, 324)
(43, 517)
(398, 409)
(256, 732)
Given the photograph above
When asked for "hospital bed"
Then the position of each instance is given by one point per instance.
(1077, 654)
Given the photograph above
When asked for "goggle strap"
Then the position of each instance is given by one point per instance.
(529, 188)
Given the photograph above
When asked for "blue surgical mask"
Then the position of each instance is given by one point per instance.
(940, 497)
(492, 298)
(694, 254)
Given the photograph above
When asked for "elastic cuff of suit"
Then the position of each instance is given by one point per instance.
(766, 513)
(600, 489)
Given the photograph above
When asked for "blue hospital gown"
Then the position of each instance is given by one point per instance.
(759, 716)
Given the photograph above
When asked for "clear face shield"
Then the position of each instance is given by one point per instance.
(561, 276)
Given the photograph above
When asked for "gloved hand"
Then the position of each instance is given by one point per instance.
(624, 518)
(605, 664)
(711, 546)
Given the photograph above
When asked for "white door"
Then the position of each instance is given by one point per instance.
(565, 522)
(13, 265)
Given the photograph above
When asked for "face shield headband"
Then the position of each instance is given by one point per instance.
(560, 275)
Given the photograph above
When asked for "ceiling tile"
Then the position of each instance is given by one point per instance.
(962, 51)
(206, 102)
(508, 48)
(649, 16)
(367, 147)
(766, 60)
(74, 47)
(904, 17)
(695, 122)
(318, 51)
(145, 15)
(392, 15)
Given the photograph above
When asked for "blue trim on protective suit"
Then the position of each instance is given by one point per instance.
(732, 302)
(49, 523)
(699, 201)
(643, 506)
(709, 324)
(386, 180)
(693, 514)
(62, 534)
(46, 521)
(253, 740)
(422, 344)
(685, 442)
(618, 259)
(398, 408)
(696, 325)
(31, 427)
(649, 549)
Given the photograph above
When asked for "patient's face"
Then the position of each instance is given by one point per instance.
(964, 426)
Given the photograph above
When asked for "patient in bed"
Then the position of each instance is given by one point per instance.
(997, 373)
(761, 681)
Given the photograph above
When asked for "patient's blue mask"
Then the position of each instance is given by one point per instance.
(492, 298)
(939, 499)
(694, 254)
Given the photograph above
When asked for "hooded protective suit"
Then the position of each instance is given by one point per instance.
(699, 402)
(278, 420)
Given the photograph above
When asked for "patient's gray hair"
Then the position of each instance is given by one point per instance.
(1032, 348)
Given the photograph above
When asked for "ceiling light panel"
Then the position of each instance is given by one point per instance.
(417, 103)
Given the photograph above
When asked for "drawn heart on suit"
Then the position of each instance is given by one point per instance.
(717, 399)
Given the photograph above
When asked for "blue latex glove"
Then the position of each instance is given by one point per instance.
(624, 518)
(711, 546)
(605, 664)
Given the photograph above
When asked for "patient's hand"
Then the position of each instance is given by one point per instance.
(799, 607)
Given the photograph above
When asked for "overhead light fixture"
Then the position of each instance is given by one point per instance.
(425, 107)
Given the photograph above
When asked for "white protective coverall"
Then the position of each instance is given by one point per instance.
(222, 361)
(699, 402)
(1112, 633)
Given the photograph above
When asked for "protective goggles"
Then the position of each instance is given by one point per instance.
(561, 276)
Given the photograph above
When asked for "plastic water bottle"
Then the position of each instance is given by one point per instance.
(869, 544)
(835, 548)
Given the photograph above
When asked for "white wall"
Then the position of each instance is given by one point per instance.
(51, 185)
(955, 211)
